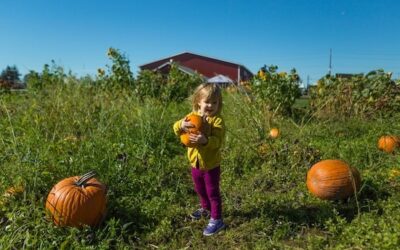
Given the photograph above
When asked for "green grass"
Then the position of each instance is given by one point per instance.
(301, 102)
(50, 135)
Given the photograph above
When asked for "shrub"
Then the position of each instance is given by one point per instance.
(278, 91)
(361, 96)
(149, 83)
(50, 76)
(174, 86)
(119, 73)
(179, 85)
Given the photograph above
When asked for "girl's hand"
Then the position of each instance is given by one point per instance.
(205, 126)
(199, 139)
(186, 125)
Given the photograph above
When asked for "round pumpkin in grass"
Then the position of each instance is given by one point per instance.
(274, 133)
(77, 201)
(388, 143)
(196, 120)
(333, 180)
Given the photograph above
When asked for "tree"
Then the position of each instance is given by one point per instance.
(33, 80)
(10, 74)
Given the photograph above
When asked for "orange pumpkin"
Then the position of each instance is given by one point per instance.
(77, 201)
(388, 143)
(274, 133)
(196, 120)
(333, 180)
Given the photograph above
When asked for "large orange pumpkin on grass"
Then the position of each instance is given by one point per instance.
(196, 120)
(333, 180)
(388, 143)
(77, 201)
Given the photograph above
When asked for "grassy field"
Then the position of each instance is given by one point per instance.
(48, 135)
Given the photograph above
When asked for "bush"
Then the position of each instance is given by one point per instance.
(360, 96)
(278, 91)
(149, 84)
(176, 86)
(50, 76)
(119, 73)
(179, 85)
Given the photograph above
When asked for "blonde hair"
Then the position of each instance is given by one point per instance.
(207, 91)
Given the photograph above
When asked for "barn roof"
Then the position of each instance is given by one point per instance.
(197, 55)
(180, 67)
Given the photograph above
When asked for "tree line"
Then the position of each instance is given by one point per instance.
(10, 78)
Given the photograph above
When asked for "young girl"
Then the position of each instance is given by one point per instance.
(205, 157)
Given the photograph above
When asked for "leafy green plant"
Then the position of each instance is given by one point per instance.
(176, 86)
(278, 91)
(372, 95)
(119, 73)
(179, 85)
(50, 76)
(149, 84)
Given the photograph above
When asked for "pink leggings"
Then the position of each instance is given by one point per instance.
(206, 184)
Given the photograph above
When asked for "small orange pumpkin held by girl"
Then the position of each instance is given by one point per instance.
(333, 180)
(274, 133)
(197, 121)
(388, 143)
(77, 201)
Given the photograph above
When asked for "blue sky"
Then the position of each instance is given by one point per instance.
(363, 34)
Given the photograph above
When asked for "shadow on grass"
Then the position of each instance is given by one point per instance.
(371, 191)
(316, 214)
(310, 215)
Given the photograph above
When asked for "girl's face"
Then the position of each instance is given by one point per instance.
(208, 107)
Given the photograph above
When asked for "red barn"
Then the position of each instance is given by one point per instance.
(206, 66)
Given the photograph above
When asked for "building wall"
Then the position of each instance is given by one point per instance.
(208, 67)
(211, 68)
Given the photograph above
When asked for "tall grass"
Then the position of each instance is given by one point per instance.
(52, 134)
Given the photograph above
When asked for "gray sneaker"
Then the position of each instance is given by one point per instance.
(199, 213)
(213, 227)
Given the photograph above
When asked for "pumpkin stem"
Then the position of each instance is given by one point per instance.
(85, 178)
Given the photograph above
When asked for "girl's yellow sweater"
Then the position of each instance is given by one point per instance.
(207, 156)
